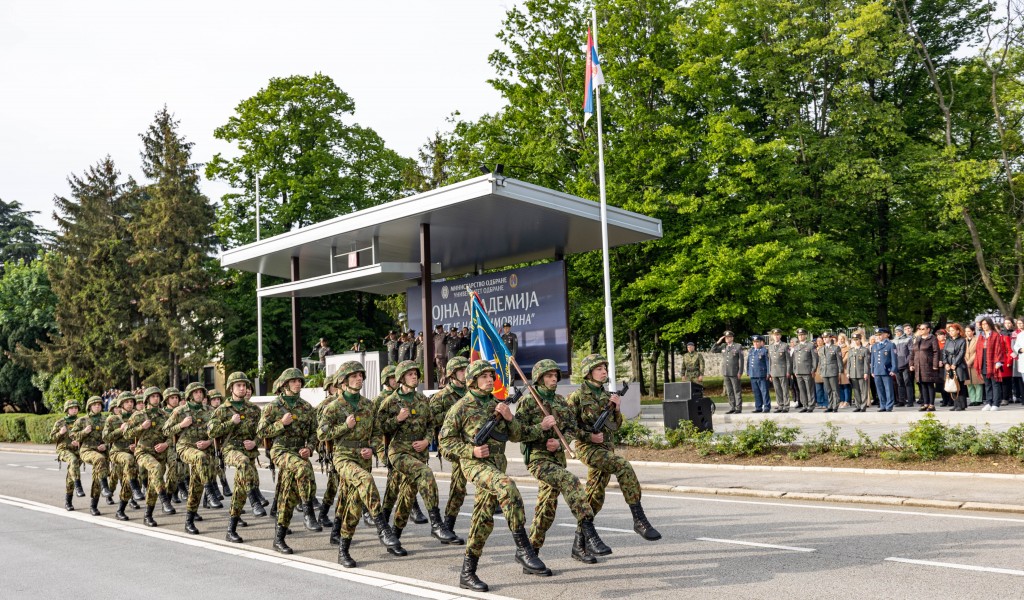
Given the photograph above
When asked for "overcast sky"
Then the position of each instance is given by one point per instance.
(81, 79)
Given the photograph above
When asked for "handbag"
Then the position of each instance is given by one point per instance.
(952, 384)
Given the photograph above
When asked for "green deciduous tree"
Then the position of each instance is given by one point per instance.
(27, 306)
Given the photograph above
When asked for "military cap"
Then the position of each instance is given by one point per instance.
(476, 369)
(93, 400)
(195, 385)
(756, 338)
(776, 330)
(286, 376)
(801, 331)
(456, 363)
(70, 403)
(389, 371)
(346, 369)
(728, 334)
(592, 361)
(856, 336)
(881, 330)
(543, 367)
(688, 344)
(405, 366)
(146, 393)
(507, 324)
(827, 333)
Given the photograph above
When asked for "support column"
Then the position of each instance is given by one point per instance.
(427, 306)
(296, 346)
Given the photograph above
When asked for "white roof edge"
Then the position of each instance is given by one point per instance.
(580, 206)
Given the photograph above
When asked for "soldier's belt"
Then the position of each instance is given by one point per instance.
(352, 443)
(407, 437)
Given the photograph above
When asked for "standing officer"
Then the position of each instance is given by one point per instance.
(830, 366)
(883, 368)
(188, 426)
(391, 345)
(146, 427)
(732, 368)
(453, 343)
(233, 425)
(858, 367)
(440, 404)
(805, 363)
(510, 339)
(88, 432)
(596, 449)
(290, 422)
(757, 369)
(120, 453)
(693, 364)
(439, 354)
(482, 468)
(780, 370)
(348, 425)
(67, 451)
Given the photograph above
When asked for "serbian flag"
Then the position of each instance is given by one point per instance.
(593, 77)
(486, 344)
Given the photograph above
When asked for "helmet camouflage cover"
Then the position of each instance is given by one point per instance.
(195, 385)
(405, 366)
(70, 403)
(346, 369)
(93, 400)
(544, 366)
(286, 376)
(478, 368)
(150, 391)
(456, 363)
(389, 371)
(171, 391)
(592, 361)
(236, 377)
(216, 394)
(124, 396)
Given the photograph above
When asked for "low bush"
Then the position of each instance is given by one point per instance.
(12, 427)
(38, 428)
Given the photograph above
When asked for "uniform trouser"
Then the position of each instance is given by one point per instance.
(246, 477)
(732, 391)
(832, 390)
(781, 385)
(806, 385)
(200, 470)
(555, 479)
(331, 490)
(761, 399)
(173, 469)
(456, 490)
(297, 483)
(601, 465)
(124, 463)
(418, 479)
(357, 492)
(860, 392)
(886, 394)
(492, 486)
(100, 468)
(155, 468)
(906, 377)
(794, 390)
(74, 469)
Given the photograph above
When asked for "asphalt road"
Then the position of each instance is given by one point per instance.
(712, 547)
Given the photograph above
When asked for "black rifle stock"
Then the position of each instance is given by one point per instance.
(489, 430)
(602, 419)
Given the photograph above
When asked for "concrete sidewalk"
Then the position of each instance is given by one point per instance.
(964, 491)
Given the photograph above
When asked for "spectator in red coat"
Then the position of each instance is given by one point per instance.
(991, 362)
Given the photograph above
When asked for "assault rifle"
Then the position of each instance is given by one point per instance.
(489, 431)
(602, 419)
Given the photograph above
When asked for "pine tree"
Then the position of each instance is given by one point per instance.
(19, 236)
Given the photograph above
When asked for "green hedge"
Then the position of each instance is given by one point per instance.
(38, 428)
(12, 427)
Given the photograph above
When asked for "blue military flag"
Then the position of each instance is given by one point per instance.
(486, 344)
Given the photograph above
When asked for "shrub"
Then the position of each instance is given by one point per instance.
(763, 438)
(65, 386)
(12, 428)
(827, 440)
(634, 433)
(38, 428)
(926, 438)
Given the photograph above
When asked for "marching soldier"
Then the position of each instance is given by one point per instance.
(88, 432)
(406, 420)
(216, 399)
(545, 459)
(67, 451)
(693, 364)
(493, 486)
(510, 339)
(596, 449)
(349, 426)
(440, 404)
(189, 425)
(732, 369)
(331, 491)
(805, 363)
(256, 482)
(233, 426)
(175, 471)
(291, 423)
(120, 453)
(858, 366)
(151, 455)
(830, 366)
(395, 479)
(780, 370)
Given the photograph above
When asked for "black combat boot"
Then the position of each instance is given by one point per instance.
(593, 542)
(273, 509)
(119, 515)
(148, 519)
(439, 530)
(105, 491)
(324, 520)
(467, 578)
(224, 485)
(257, 505)
(417, 515)
(397, 549)
(78, 489)
(527, 556)
(579, 548)
(344, 559)
(67, 502)
(211, 495)
(641, 525)
(165, 504)
(190, 525)
(198, 518)
(384, 533)
(449, 522)
(137, 495)
(309, 518)
(259, 494)
(279, 544)
(316, 502)
(367, 518)
(386, 513)
(183, 491)
(133, 504)
(232, 535)
(336, 531)
(94, 506)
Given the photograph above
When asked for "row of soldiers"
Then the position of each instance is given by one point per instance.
(347, 430)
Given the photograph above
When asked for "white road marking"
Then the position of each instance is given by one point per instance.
(12, 465)
(573, 525)
(756, 544)
(931, 563)
(51, 469)
(30, 467)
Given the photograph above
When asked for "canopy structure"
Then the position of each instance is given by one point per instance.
(483, 223)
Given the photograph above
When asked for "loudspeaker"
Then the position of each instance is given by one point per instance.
(682, 391)
(687, 403)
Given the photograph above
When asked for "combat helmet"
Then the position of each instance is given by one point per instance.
(330, 380)
(346, 369)
(476, 369)
(93, 400)
(591, 362)
(195, 385)
(456, 363)
(150, 391)
(215, 394)
(389, 371)
(544, 366)
(124, 396)
(286, 376)
(235, 378)
(405, 366)
(71, 403)
(172, 391)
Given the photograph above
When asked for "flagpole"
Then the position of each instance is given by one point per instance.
(609, 331)
(259, 302)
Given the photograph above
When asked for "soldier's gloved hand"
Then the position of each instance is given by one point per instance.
(403, 414)
(203, 444)
(101, 448)
(481, 451)
(287, 419)
(420, 445)
(160, 447)
(249, 444)
(366, 453)
(547, 422)
(63, 430)
(350, 422)
(615, 400)
(504, 411)
(305, 452)
(147, 424)
(597, 438)
(186, 422)
(553, 445)
(236, 418)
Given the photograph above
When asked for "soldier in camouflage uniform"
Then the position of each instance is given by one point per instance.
(188, 425)
(175, 469)
(67, 451)
(597, 449)
(113, 470)
(348, 427)
(233, 425)
(120, 453)
(482, 468)
(440, 404)
(693, 364)
(408, 424)
(290, 422)
(151, 451)
(545, 458)
(88, 432)
(216, 400)
(331, 491)
(395, 479)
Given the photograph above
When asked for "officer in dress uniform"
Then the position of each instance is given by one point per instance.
(780, 370)
(757, 369)
(883, 368)
(805, 362)
(830, 366)
(732, 368)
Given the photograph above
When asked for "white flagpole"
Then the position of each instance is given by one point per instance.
(259, 302)
(609, 331)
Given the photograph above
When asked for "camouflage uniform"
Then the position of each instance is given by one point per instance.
(199, 461)
(88, 450)
(216, 401)
(461, 425)
(68, 453)
(587, 403)
(120, 453)
(692, 366)
(331, 490)
(174, 470)
(146, 456)
(440, 404)
(231, 439)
